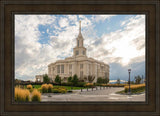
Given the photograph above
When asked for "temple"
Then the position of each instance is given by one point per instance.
(78, 64)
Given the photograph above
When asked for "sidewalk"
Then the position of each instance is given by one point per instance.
(108, 94)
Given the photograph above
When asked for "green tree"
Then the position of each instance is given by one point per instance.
(69, 79)
(46, 79)
(137, 79)
(75, 79)
(106, 80)
(58, 79)
(118, 81)
(99, 80)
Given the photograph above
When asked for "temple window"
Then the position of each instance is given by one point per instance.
(81, 66)
(70, 66)
(58, 68)
(78, 43)
(83, 52)
(62, 68)
(77, 52)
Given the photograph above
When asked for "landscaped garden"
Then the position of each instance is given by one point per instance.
(134, 89)
(32, 91)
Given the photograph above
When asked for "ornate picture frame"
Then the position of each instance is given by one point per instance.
(149, 8)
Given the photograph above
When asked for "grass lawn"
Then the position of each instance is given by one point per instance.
(67, 87)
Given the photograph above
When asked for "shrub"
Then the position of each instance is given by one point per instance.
(62, 90)
(104, 85)
(69, 84)
(89, 85)
(64, 84)
(59, 90)
(36, 95)
(134, 88)
(55, 91)
(101, 80)
(21, 95)
(75, 79)
(39, 89)
(81, 84)
(29, 86)
(69, 79)
(50, 87)
(58, 79)
(44, 88)
(116, 85)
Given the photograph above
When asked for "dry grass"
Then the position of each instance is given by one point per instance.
(36, 95)
(134, 88)
(44, 88)
(116, 85)
(88, 84)
(50, 87)
(21, 95)
(29, 86)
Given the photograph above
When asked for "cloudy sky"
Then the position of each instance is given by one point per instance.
(118, 40)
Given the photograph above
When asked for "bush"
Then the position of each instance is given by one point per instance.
(62, 90)
(55, 91)
(69, 84)
(50, 87)
(134, 88)
(64, 84)
(44, 88)
(29, 86)
(81, 84)
(21, 95)
(58, 79)
(39, 89)
(36, 95)
(89, 85)
(69, 79)
(101, 80)
(75, 79)
(116, 85)
(59, 90)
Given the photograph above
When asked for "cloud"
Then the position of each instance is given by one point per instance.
(121, 47)
(119, 71)
(63, 22)
(98, 18)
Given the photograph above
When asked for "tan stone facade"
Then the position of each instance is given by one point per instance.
(78, 64)
(39, 78)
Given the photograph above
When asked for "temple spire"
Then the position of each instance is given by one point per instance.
(79, 27)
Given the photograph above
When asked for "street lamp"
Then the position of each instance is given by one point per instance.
(129, 71)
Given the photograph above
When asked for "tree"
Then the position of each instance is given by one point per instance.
(90, 78)
(99, 80)
(69, 79)
(58, 79)
(118, 81)
(75, 79)
(46, 79)
(106, 80)
(138, 79)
